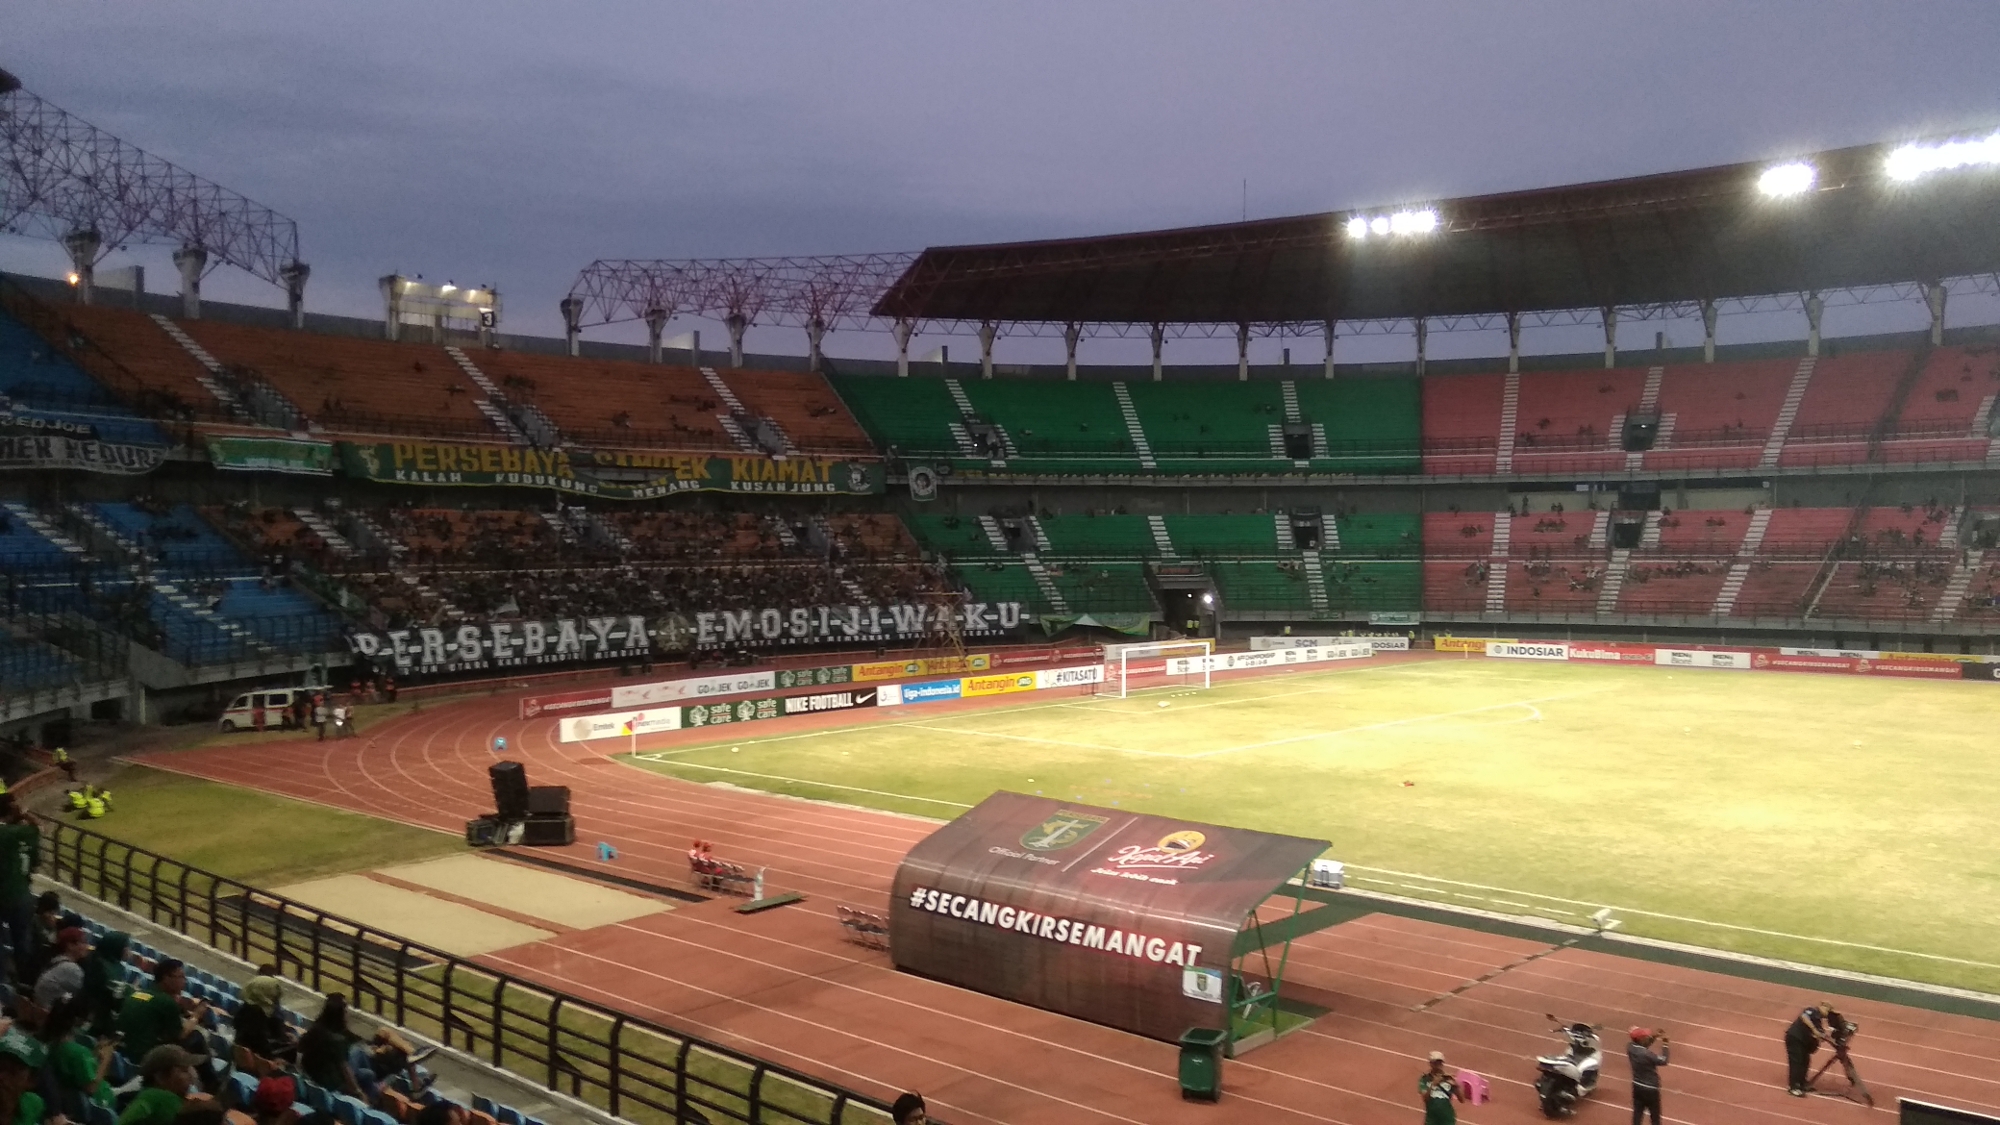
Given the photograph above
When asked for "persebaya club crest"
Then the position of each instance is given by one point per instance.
(1062, 830)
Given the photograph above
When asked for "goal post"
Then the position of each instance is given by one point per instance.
(1130, 667)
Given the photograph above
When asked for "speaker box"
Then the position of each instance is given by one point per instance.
(548, 800)
(482, 831)
(510, 789)
(548, 831)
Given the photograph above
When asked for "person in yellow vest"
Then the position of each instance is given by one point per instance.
(65, 763)
(94, 807)
(77, 798)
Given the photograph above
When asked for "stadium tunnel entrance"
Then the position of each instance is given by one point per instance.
(1144, 923)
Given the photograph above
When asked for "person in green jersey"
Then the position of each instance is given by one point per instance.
(154, 1016)
(1439, 1091)
(104, 981)
(75, 1074)
(20, 850)
(20, 1060)
(167, 1073)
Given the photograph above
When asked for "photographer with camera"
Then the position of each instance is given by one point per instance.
(1802, 1039)
(1646, 1064)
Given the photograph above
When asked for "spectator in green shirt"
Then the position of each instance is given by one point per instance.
(20, 1060)
(77, 1072)
(167, 1073)
(155, 1016)
(20, 850)
(104, 981)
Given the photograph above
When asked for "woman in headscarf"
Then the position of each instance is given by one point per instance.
(74, 1077)
(261, 1026)
(104, 981)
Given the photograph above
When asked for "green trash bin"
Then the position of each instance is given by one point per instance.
(1201, 1063)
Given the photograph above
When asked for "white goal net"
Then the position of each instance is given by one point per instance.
(1148, 664)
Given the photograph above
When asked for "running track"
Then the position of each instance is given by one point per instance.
(782, 984)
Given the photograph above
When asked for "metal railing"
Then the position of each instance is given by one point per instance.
(626, 1066)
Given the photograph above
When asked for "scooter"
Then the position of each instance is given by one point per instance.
(1568, 1079)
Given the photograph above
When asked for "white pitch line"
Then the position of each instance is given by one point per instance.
(1390, 723)
(823, 784)
(1673, 917)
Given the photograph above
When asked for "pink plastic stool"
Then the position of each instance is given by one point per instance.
(1475, 1087)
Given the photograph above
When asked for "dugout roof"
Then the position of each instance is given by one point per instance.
(1674, 238)
(1101, 913)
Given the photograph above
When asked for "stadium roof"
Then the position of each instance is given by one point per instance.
(1872, 215)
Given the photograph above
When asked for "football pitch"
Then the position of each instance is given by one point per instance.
(1829, 820)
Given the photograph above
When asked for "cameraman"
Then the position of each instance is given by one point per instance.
(1646, 1064)
(1802, 1039)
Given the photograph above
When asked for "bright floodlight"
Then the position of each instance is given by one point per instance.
(1787, 179)
(1415, 222)
(1207, 598)
(1357, 227)
(1910, 161)
(1379, 224)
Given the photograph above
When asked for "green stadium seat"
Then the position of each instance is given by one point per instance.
(913, 415)
(1128, 536)
(1371, 423)
(1057, 427)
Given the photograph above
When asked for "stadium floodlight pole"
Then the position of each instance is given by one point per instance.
(1513, 343)
(1331, 330)
(1708, 330)
(1610, 314)
(903, 329)
(1815, 307)
(815, 333)
(1242, 351)
(656, 324)
(1423, 337)
(572, 314)
(1159, 338)
(190, 260)
(1934, 296)
(988, 329)
(1072, 332)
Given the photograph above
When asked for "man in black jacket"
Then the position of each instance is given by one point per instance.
(1646, 1064)
(1803, 1038)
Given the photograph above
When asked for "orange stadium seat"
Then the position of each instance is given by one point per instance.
(804, 407)
(1461, 422)
(615, 404)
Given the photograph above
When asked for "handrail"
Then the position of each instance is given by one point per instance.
(622, 1064)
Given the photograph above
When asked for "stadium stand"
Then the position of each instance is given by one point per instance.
(1363, 424)
(41, 384)
(1204, 427)
(803, 408)
(1718, 415)
(614, 404)
(1569, 421)
(912, 417)
(1054, 427)
(343, 384)
(1461, 418)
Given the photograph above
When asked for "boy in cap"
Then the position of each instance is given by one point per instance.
(1439, 1090)
(20, 1061)
(166, 1073)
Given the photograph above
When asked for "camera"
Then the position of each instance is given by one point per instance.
(1841, 1029)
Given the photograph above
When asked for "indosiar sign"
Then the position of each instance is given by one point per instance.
(611, 476)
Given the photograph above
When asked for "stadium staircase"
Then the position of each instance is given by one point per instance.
(1498, 562)
(1788, 412)
(1161, 540)
(1739, 570)
(336, 543)
(1132, 427)
(211, 368)
(732, 413)
(494, 405)
(1649, 407)
(1510, 420)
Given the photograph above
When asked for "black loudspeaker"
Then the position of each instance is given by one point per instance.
(548, 800)
(482, 832)
(510, 789)
(548, 831)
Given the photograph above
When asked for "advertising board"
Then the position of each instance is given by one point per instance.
(1701, 658)
(1527, 650)
(618, 724)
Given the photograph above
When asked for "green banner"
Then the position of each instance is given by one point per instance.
(1131, 624)
(272, 455)
(609, 475)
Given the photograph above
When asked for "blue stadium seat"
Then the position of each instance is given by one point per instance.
(483, 1104)
(507, 1115)
(348, 1110)
(315, 1096)
(377, 1117)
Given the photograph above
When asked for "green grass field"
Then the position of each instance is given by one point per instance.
(1822, 819)
(258, 838)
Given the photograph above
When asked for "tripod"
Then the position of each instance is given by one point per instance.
(1855, 1086)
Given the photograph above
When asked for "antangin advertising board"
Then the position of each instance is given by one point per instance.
(1466, 644)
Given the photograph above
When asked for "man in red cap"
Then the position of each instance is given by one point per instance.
(1646, 1064)
(274, 1098)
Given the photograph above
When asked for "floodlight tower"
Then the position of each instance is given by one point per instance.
(93, 193)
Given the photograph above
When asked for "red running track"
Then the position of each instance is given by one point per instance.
(783, 985)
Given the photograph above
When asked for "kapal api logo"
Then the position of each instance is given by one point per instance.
(1064, 829)
(1176, 851)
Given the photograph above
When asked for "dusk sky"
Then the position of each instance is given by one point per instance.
(511, 144)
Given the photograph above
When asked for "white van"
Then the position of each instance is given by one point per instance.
(272, 704)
